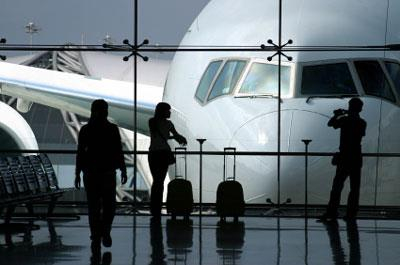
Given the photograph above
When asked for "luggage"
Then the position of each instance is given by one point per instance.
(230, 198)
(180, 193)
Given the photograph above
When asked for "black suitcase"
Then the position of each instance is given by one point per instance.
(180, 193)
(230, 198)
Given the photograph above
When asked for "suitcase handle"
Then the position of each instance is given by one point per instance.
(226, 152)
(182, 149)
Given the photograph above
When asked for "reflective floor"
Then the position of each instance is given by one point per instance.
(255, 240)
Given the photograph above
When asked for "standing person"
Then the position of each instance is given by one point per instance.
(160, 155)
(349, 159)
(99, 155)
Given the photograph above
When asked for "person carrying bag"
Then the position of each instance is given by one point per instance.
(160, 154)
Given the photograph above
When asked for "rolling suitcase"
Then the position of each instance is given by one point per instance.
(230, 198)
(180, 193)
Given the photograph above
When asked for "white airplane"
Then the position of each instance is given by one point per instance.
(230, 98)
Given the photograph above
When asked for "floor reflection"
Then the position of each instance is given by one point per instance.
(354, 243)
(10, 230)
(179, 239)
(157, 255)
(203, 241)
(97, 259)
(338, 253)
(230, 241)
(26, 252)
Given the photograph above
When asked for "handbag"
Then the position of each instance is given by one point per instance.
(171, 158)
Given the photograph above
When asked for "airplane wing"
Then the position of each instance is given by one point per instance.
(74, 93)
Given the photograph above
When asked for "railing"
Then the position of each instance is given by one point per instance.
(371, 186)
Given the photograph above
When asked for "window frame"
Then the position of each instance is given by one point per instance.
(296, 76)
(381, 63)
(212, 82)
(221, 67)
(389, 78)
(352, 70)
(233, 90)
(292, 70)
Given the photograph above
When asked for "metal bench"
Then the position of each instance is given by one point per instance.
(25, 180)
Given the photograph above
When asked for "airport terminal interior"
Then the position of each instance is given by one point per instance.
(234, 81)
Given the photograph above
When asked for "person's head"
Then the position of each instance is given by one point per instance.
(163, 111)
(355, 105)
(99, 110)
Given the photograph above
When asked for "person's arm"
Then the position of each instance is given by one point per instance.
(176, 136)
(333, 122)
(364, 128)
(336, 120)
(80, 158)
(121, 159)
(151, 125)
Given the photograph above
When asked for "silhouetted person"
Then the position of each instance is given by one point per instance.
(349, 160)
(161, 130)
(99, 155)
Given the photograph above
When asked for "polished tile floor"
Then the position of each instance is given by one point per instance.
(255, 240)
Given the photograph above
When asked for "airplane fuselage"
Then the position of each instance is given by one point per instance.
(237, 114)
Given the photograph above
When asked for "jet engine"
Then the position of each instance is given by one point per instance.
(15, 133)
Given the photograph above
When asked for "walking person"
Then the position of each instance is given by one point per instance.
(99, 155)
(349, 159)
(160, 154)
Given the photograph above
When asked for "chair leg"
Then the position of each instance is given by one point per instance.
(51, 207)
(9, 212)
(29, 206)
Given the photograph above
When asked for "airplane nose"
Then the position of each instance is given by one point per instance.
(257, 172)
(257, 134)
(260, 135)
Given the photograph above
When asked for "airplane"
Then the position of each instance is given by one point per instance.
(230, 98)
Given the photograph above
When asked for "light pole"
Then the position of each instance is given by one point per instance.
(108, 40)
(31, 28)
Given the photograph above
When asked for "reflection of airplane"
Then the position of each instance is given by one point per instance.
(230, 97)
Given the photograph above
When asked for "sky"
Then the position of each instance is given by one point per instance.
(89, 21)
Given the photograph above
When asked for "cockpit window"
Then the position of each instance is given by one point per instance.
(263, 79)
(228, 78)
(394, 72)
(373, 79)
(207, 79)
(331, 79)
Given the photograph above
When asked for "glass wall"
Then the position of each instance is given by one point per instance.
(223, 71)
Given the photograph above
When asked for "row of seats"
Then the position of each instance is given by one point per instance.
(25, 180)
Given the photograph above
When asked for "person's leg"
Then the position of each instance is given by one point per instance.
(158, 169)
(156, 195)
(337, 187)
(109, 204)
(157, 190)
(93, 200)
(354, 195)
